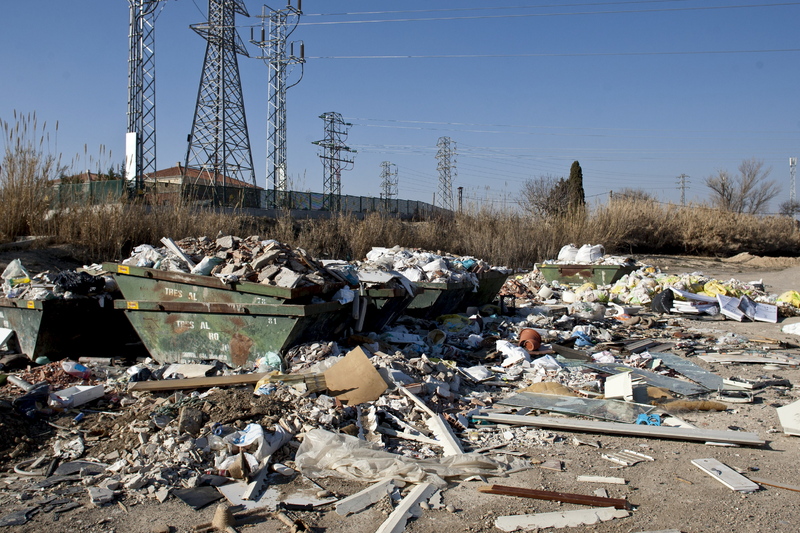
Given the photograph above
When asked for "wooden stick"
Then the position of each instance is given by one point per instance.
(595, 501)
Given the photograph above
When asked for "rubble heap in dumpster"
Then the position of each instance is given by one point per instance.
(408, 410)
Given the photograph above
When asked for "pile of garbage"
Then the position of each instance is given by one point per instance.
(425, 402)
(234, 259)
(425, 266)
(18, 284)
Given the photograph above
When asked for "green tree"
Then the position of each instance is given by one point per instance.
(576, 197)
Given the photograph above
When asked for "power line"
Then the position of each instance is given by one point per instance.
(497, 8)
(560, 14)
(564, 54)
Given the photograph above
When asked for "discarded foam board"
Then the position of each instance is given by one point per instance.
(364, 498)
(5, 335)
(187, 370)
(354, 379)
(626, 457)
(725, 475)
(615, 428)
(80, 394)
(602, 479)
(407, 508)
(444, 434)
(745, 358)
(581, 517)
(789, 417)
(729, 307)
(619, 387)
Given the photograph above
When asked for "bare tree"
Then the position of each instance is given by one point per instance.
(748, 192)
(789, 208)
(536, 195)
(629, 193)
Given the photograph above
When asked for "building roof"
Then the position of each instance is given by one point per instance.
(197, 175)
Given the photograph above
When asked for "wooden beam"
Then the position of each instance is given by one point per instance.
(634, 430)
(565, 497)
(197, 383)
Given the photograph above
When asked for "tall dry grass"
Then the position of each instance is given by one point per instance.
(625, 227)
(516, 239)
(26, 169)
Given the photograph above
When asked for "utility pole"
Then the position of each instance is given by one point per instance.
(682, 179)
(219, 145)
(447, 171)
(388, 183)
(461, 199)
(273, 44)
(792, 171)
(333, 161)
(140, 139)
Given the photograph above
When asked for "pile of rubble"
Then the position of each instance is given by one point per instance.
(408, 409)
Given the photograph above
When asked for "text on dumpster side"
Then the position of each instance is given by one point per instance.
(213, 335)
(178, 293)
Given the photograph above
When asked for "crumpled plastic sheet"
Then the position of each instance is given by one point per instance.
(323, 454)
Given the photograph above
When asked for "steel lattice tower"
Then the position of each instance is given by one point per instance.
(279, 61)
(447, 171)
(388, 182)
(140, 143)
(333, 161)
(219, 145)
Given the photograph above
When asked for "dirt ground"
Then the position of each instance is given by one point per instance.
(668, 493)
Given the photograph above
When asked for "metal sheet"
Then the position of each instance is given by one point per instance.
(612, 410)
(696, 373)
(490, 283)
(684, 388)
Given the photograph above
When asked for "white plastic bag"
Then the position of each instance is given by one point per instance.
(323, 453)
(567, 253)
(589, 253)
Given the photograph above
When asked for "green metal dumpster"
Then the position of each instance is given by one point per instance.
(68, 328)
(138, 283)
(490, 283)
(436, 299)
(385, 306)
(580, 274)
(234, 333)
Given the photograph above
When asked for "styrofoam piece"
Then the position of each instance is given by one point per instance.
(80, 394)
(581, 517)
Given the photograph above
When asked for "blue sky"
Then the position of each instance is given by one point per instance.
(637, 91)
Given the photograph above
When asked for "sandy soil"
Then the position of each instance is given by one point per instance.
(668, 493)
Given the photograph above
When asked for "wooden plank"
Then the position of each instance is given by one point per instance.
(564, 497)
(364, 498)
(408, 507)
(725, 475)
(635, 430)
(776, 484)
(198, 383)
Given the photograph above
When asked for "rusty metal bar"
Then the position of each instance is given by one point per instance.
(595, 501)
